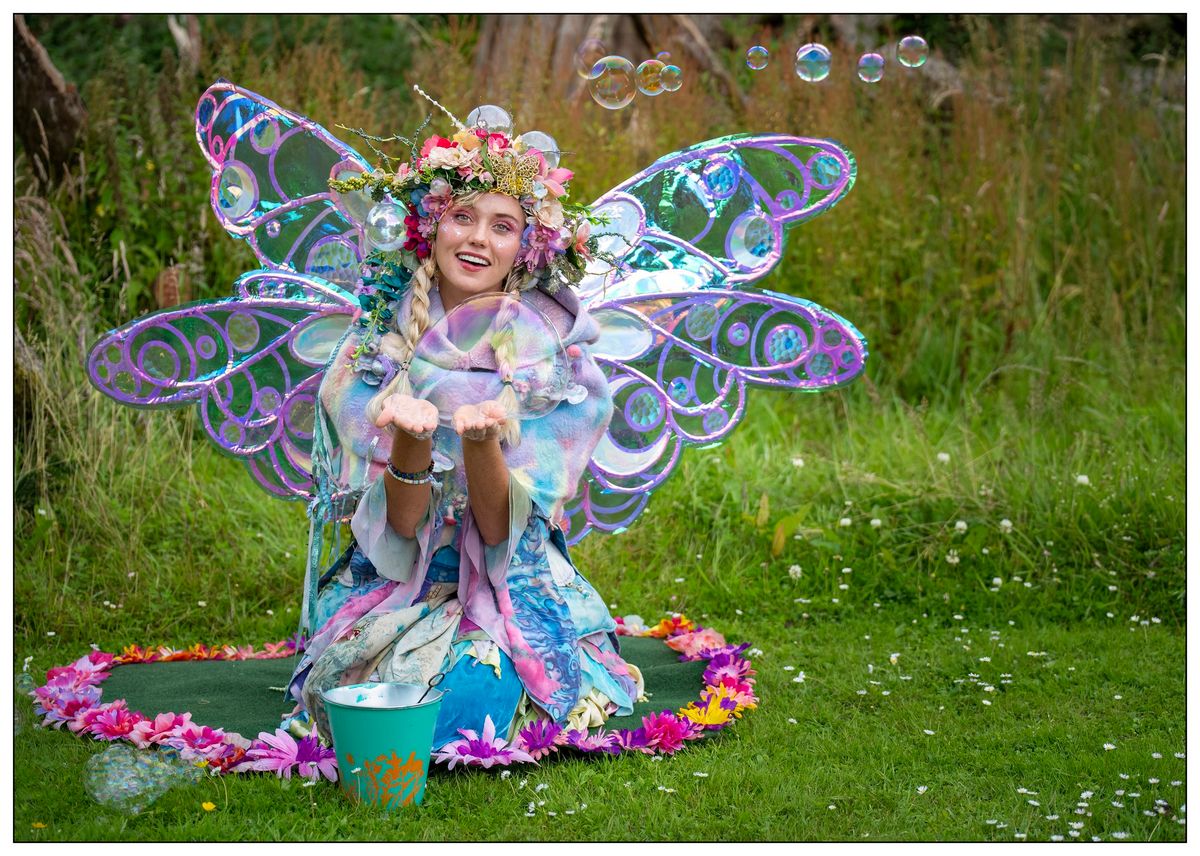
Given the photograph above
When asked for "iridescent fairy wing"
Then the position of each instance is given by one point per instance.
(251, 362)
(682, 335)
(271, 170)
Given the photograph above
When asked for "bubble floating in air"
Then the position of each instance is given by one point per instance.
(912, 51)
(495, 119)
(126, 780)
(757, 57)
(672, 78)
(612, 84)
(544, 143)
(870, 68)
(385, 226)
(663, 56)
(589, 52)
(812, 62)
(649, 77)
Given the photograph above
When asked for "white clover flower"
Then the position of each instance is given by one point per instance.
(952, 557)
(893, 658)
(927, 731)
(1006, 525)
(797, 462)
(960, 526)
(876, 522)
(943, 457)
(922, 789)
(795, 572)
(1108, 747)
(1082, 479)
(202, 603)
(845, 521)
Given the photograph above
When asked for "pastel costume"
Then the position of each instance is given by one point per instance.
(519, 633)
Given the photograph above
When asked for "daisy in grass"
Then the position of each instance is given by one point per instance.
(281, 753)
(480, 750)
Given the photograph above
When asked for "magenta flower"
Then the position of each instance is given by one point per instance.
(85, 672)
(281, 753)
(151, 732)
(61, 702)
(601, 741)
(540, 738)
(112, 721)
(539, 246)
(481, 750)
(665, 732)
(742, 692)
(634, 739)
(727, 664)
(198, 742)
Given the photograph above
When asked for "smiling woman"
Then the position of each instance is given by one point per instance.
(476, 246)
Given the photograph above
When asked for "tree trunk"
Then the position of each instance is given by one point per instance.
(48, 112)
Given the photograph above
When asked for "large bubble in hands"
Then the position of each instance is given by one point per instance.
(464, 358)
(124, 779)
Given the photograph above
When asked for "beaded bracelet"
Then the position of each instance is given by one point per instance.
(424, 476)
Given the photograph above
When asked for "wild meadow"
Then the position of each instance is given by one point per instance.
(963, 577)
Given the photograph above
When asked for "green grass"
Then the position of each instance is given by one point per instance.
(1016, 259)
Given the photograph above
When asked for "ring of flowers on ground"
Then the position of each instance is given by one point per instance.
(71, 696)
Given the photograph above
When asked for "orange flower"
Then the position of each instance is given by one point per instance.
(669, 625)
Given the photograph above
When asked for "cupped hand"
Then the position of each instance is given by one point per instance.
(483, 421)
(411, 415)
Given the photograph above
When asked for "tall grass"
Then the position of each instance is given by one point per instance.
(1014, 252)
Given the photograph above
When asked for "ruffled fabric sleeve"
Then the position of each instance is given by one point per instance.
(394, 556)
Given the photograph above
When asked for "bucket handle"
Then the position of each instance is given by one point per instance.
(433, 682)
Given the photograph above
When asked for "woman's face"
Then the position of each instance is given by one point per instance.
(476, 246)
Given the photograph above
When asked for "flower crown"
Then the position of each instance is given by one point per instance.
(482, 157)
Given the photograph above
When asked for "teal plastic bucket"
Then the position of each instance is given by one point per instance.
(383, 739)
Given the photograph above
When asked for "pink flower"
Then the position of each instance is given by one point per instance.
(540, 738)
(198, 742)
(438, 199)
(61, 702)
(691, 644)
(741, 692)
(539, 246)
(634, 739)
(730, 664)
(435, 142)
(113, 721)
(556, 178)
(280, 753)
(84, 672)
(665, 731)
(601, 741)
(581, 237)
(151, 732)
(481, 750)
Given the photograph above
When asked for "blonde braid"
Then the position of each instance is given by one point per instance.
(418, 322)
(505, 348)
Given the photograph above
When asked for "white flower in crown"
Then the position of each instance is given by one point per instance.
(549, 213)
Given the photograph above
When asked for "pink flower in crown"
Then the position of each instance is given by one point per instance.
(582, 232)
(280, 753)
(427, 227)
(113, 721)
(438, 199)
(691, 644)
(151, 732)
(539, 246)
(435, 142)
(555, 179)
(481, 750)
(665, 732)
(498, 143)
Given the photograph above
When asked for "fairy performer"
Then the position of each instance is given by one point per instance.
(474, 372)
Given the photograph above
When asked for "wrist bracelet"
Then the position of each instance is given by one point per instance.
(424, 476)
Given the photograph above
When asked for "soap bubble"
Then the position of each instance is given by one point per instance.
(812, 62)
(127, 780)
(870, 68)
(385, 225)
(649, 77)
(495, 119)
(612, 84)
(587, 55)
(664, 57)
(671, 77)
(912, 51)
(757, 57)
(544, 143)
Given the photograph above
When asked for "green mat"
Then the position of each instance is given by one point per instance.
(237, 695)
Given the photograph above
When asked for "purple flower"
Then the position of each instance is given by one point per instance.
(60, 701)
(601, 741)
(481, 750)
(634, 739)
(541, 737)
(727, 664)
(280, 753)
